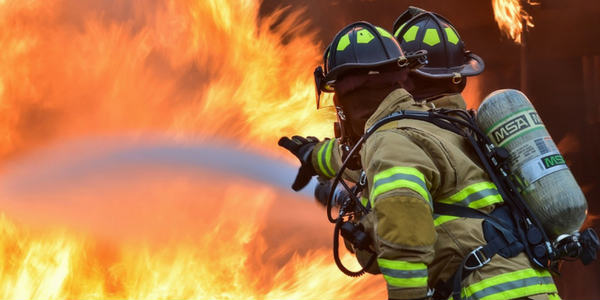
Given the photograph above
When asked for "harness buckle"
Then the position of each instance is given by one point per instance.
(479, 257)
(363, 179)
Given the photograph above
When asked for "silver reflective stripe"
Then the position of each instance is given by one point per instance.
(477, 196)
(404, 273)
(511, 285)
(408, 177)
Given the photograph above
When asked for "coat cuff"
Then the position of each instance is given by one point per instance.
(322, 157)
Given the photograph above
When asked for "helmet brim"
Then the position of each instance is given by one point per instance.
(358, 67)
(474, 66)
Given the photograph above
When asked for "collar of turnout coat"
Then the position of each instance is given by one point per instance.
(400, 99)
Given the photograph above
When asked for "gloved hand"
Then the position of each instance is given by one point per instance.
(302, 148)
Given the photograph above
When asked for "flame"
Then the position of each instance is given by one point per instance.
(233, 253)
(511, 18)
(183, 68)
(186, 69)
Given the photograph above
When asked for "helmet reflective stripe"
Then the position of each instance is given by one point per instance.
(384, 33)
(399, 29)
(363, 36)
(417, 29)
(343, 43)
(411, 34)
(431, 37)
(452, 36)
(359, 47)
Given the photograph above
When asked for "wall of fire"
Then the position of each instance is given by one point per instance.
(557, 65)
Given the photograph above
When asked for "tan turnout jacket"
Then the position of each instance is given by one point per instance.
(409, 164)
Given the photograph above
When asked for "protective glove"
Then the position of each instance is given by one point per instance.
(302, 148)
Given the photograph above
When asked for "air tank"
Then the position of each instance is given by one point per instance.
(537, 167)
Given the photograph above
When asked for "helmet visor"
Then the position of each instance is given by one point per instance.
(325, 100)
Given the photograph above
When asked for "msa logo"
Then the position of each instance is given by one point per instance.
(509, 128)
(553, 160)
(535, 118)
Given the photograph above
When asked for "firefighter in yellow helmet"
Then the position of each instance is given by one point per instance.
(411, 165)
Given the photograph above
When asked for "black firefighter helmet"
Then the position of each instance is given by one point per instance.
(360, 47)
(418, 29)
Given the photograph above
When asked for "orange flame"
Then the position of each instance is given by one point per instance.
(511, 18)
(185, 68)
(188, 69)
(165, 242)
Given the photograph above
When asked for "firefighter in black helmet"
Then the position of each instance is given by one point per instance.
(448, 62)
(439, 84)
(365, 68)
(367, 61)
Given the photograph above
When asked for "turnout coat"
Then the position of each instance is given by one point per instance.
(409, 164)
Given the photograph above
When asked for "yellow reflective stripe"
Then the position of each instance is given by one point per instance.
(406, 282)
(400, 177)
(364, 36)
(398, 184)
(411, 33)
(396, 170)
(511, 276)
(399, 29)
(522, 292)
(384, 33)
(431, 37)
(364, 201)
(322, 158)
(400, 265)
(465, 192)
(403, 274)
(439, 220)
(476, 195)
(328, 154)
(452, 37)
(344, 42)
(486, 201)
(526, 282)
